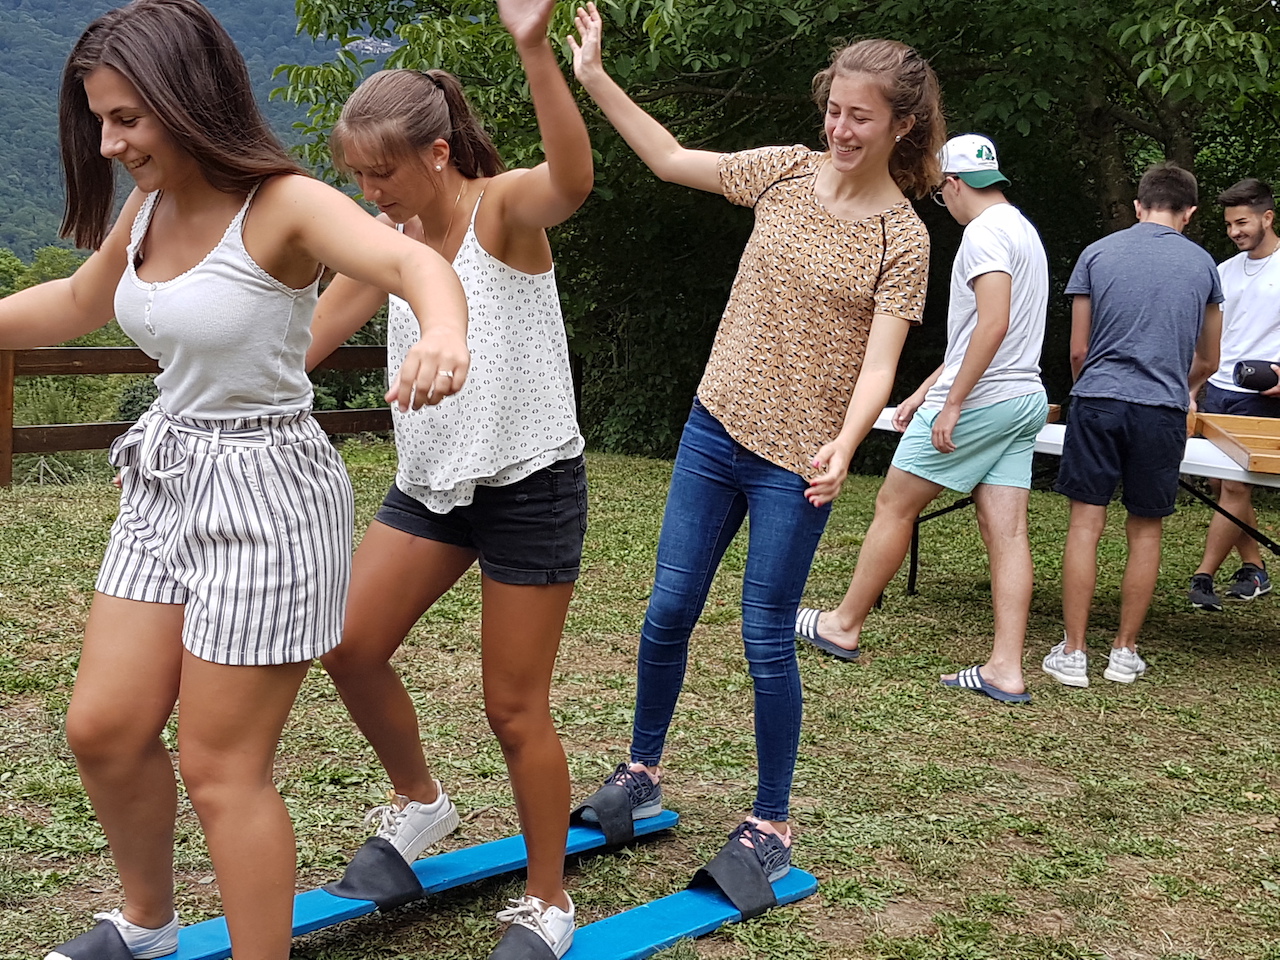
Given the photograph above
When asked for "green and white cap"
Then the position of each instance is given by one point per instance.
(972, 158)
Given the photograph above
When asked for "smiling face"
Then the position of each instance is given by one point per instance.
(133, 134)
(1248, 228)
(859, 124)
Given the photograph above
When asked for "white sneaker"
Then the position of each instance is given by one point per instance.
(144, 943)
(1124, 665)
(553, 925)
(1069, 668)
(410, 826)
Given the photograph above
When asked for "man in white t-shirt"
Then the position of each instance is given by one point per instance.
(1250, 331)
(972, 424)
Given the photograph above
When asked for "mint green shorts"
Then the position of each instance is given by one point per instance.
(994, 445)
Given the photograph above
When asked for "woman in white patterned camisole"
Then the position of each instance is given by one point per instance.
(227, 567)
(495, 475)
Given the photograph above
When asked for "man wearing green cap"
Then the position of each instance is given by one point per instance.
(972, 424)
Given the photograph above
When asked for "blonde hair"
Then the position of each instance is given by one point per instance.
(911, 87)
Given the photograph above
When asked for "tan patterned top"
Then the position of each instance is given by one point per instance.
(793, 335)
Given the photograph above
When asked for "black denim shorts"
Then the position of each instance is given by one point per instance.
(1112, 442)
(526, 533)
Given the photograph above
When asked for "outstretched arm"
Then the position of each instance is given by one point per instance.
(329, 227)
(345, 306)
(651, 141)
(59, 310)
(549, 193)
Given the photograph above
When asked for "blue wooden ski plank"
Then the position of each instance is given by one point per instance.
(316, 909)
(645, 930)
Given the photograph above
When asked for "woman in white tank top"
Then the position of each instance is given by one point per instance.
(235, 512)
(494, 475)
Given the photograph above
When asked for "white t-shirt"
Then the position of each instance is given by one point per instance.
(998, 240)
(1250, 314)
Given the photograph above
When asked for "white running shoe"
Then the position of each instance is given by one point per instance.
(1069, 668)
(144, 943)
(1124, 665)
(410, 826)
(553, 925)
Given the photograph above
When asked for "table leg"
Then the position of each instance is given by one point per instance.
(1258, 535)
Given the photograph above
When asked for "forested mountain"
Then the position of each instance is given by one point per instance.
(35, 37)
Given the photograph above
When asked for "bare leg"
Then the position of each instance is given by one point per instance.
(125, 690)
(902, 496)
(1237, 499)
(1002, 519)
(395, 578)
(1140, 572)
(1080, 570)
(230, 720)
(521, 636)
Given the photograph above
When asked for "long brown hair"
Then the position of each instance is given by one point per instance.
(396, 114)
(189, 72)
(911, 87)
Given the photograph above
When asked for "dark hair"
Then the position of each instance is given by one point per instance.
(399, 113)
(189, 72)
(911, 87)
(1167, 186)
(1252, 193)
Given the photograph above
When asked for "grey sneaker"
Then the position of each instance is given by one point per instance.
(772, 850)
(410, 826)
(1124, 665)
(643, 793)
(1249, 582)
(1202, 594)
(1071, 668)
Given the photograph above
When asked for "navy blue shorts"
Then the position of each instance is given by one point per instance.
(1109, 442)
(526, 533)
(1237, 404)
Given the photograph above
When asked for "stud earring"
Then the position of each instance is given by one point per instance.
(439, 168)
(895, 140)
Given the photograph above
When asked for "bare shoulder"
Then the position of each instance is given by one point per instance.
(295, 190)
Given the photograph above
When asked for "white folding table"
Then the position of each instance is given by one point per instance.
(1201, 459)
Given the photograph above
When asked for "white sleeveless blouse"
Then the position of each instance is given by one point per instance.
(230, 338)
(516, 413)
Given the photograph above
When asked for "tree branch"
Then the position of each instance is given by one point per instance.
(725, 93)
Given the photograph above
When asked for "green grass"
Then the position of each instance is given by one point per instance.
(1120, 822)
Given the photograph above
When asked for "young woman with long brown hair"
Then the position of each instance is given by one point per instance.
(227, 567)
(832, 278)
(494, 475)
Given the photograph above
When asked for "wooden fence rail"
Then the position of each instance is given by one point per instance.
(80, 361)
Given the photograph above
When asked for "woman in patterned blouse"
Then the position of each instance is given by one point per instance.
(831, 279)
(495, 474)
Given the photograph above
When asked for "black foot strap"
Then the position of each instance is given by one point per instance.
(612, 808)
(377, 872)
(737, 872)
(103, 942)
(521, 943)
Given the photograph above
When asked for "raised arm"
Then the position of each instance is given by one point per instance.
(549, 193)
(328, 227)
(651, 141)
(59, 310)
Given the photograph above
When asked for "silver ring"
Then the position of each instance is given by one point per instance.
(445, 373)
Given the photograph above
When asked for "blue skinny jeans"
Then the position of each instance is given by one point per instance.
(716, 483)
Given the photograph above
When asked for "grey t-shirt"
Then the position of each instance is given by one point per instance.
(1148, 286)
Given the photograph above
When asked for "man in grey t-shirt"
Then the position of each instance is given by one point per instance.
(1145, 326)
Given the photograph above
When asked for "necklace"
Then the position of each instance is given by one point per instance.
(1261, 261)
(452, 213)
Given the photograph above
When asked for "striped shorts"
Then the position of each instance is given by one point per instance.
(246, 522)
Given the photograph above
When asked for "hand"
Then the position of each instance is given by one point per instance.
(906, 410)
(943, 424)
(435, 367)
(587, 59)
(526, 20)
(833, 460)
(1274, 391)
(1192, 406)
